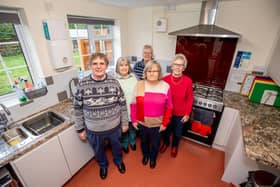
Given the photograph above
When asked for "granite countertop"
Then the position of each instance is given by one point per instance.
(260, 128)
(64, 108)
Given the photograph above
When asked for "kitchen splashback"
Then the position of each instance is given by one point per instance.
(209, 59)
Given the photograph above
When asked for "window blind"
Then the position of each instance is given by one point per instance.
(89, 20)
(9, 18)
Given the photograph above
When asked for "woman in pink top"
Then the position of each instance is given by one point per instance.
(182, 98)
(151, 110)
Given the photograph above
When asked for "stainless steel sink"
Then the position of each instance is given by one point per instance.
(14, 136)
(42, 123)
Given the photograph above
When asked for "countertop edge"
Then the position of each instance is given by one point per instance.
(257, 131)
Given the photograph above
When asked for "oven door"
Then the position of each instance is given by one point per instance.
(202, 126)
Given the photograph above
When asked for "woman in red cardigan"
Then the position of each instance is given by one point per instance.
(182, 99)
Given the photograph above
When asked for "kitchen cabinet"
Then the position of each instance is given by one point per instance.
(237, 164)
(43, 166)
(225, 126)
(53, 162)
(77, 153)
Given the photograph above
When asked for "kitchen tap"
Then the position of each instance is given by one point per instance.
(72, 87)
(5, 122)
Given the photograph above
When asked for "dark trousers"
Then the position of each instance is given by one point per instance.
(150, 140)
(175, 127)
(97, 141)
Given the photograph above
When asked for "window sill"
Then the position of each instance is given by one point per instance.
(9, 100)
(12, 100)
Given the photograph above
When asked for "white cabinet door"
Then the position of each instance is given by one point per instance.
(225, 126)
(45, 166)
(77, 152)
(237, 164)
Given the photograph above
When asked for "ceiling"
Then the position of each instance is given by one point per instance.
(143, 3)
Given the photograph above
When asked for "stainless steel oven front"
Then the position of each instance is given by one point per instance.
(202, 126)
(206, 114)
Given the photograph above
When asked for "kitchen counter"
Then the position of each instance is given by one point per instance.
(260, 128)
(64, 108)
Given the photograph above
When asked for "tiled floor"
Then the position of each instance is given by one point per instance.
(195, 166)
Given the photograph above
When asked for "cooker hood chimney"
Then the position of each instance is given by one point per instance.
(207, 27)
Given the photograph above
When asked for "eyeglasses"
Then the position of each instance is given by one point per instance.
(152, 71)
(178, 65)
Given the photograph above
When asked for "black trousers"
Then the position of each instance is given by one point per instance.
(150, 141)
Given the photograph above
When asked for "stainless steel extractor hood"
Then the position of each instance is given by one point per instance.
(207, 27)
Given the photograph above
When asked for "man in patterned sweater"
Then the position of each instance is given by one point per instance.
(100, 112)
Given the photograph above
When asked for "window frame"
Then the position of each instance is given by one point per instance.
(28, 52)
(91, 22)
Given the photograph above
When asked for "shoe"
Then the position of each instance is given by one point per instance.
(133, 147)
(103, 173)
(121, 168)
(174, 151)
(125, 149)
(163, 148)
(153, 164)
(145, 160)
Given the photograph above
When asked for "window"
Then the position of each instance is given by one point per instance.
(91, 35)
(13, 59)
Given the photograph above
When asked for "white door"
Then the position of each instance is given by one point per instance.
(77, 152)
(45, 166)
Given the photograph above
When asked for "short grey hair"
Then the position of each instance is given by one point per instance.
(149, 66)
(182, 57)
(121, 59)
(146, 46)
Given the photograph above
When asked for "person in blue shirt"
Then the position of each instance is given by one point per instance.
(148, 55)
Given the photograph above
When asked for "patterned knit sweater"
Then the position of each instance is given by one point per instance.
(100, 106)
(152, 105)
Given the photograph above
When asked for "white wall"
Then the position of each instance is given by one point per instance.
(139, 29)
(256, 20)
(38, 10)
(258, 23)
(141, 23)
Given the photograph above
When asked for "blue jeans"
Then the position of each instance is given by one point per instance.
(97, 141)
(150, 141)
(129, 137)
(176, 127)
